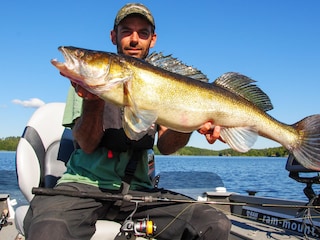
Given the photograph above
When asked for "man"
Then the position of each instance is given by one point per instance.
(102, 157)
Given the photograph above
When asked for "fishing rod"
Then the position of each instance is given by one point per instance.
(130, 198)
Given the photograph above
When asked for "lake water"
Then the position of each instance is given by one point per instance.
(265, 175)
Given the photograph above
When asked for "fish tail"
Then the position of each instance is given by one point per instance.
(307, 151)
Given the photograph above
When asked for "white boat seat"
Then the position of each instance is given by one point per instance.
(42, 152)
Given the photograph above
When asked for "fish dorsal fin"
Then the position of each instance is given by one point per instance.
(174, 65)
(244, 86)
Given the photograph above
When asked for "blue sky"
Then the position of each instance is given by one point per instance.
(274, 42)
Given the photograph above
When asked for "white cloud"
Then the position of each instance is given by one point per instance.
(31, 103)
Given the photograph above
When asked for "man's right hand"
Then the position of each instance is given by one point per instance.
(82, 92)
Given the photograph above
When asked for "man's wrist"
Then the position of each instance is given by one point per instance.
(93, 105)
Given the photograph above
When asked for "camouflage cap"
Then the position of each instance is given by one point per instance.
(134, 8)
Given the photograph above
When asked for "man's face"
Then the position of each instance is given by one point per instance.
(134, 37)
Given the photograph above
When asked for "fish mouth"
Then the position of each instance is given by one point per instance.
(77, 69)
(70, 67)
(60, 65)
(70, 62)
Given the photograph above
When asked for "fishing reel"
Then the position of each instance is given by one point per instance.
(130, 229)
(139, 228)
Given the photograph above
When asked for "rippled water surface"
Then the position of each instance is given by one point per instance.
(265, 175)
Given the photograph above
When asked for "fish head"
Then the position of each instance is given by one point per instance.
(83, 66)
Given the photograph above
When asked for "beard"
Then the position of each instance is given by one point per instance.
(140, 52)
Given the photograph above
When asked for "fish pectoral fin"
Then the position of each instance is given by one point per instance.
(137, 122)
(240, 139)
(110, 84)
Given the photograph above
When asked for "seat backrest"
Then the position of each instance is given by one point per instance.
(42, 153)
(39, 159)
(44, 149)
(293, 165)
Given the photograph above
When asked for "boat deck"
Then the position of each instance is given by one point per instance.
(262, 218)
(250, 220)
(251, 230)
(241, 229)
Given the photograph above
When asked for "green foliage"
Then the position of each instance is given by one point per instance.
(9, 143)
(192, 151)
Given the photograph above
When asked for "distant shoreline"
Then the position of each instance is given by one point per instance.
(11, 143)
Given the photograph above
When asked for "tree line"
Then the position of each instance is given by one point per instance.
(11, 143)
(267, 152)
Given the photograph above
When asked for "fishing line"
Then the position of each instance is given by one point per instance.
(175, 218)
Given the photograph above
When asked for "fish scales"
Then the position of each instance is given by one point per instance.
(150, 94)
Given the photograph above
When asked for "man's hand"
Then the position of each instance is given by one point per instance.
(82, 92)
(211, 132)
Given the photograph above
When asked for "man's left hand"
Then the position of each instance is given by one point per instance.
(211, 132)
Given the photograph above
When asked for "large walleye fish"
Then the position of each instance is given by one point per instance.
(163, 90)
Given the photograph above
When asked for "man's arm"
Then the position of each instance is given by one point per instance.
(88, 128)
(170, 141)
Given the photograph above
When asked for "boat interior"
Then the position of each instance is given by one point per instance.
(45, 147)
